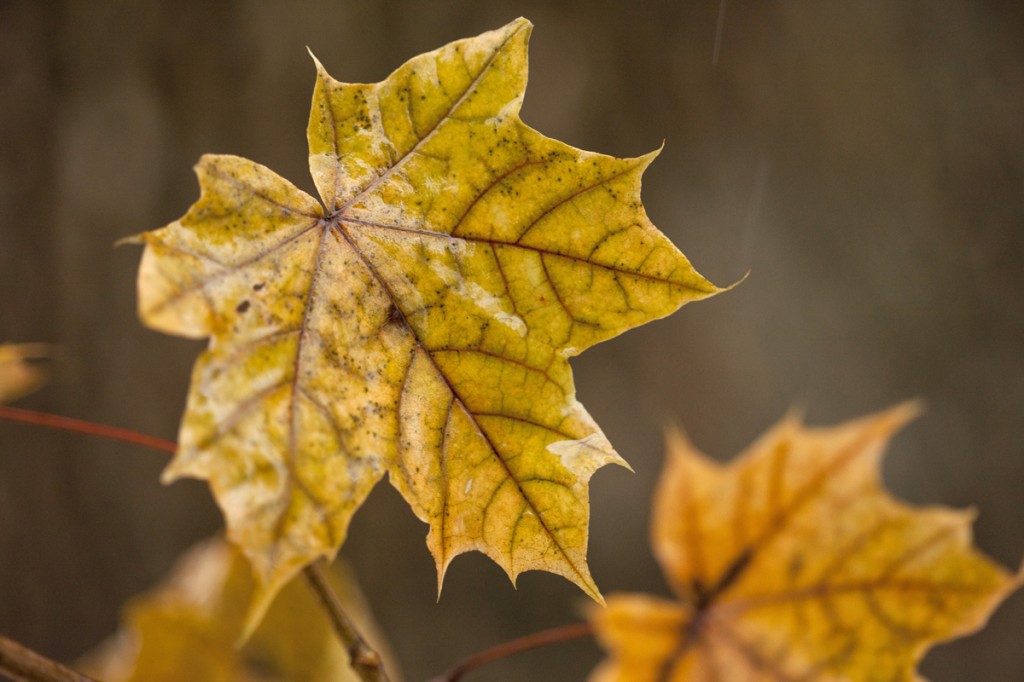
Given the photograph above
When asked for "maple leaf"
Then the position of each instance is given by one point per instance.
(793, 563)
(20, 371)
(188, 628)
(418, 322)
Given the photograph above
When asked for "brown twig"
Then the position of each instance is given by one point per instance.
(565, 633)
(54, 421)
(366, 662)
(24, 665)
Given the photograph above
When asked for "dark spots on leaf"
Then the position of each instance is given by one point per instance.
(258, 286)
(242, 307)
(395, 317)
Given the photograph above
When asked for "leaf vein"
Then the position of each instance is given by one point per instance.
(433, 129)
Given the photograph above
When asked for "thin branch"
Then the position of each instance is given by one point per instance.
(54, 421)
(24, 665)
(366, 662)
(565, 633)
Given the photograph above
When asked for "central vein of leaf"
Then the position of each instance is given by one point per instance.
(338, 224)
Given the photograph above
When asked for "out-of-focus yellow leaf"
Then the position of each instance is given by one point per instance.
(418, 322)
(189, 628)
(20, 369)
(793, 563)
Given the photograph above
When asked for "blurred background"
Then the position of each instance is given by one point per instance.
(864, 161)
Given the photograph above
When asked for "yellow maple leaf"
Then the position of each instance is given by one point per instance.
(793, 563)
(20, 371)
(418, 322)
(188, 628)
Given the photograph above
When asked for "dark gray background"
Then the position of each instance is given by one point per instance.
(865, 161)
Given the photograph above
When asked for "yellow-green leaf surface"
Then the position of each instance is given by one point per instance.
(418, 320)
(793, 563)
(20, 370)
(188, 628)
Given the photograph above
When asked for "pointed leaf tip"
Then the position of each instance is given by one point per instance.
(316, 62)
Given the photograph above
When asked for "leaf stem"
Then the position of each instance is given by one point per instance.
(564, 633)
(366, 662)
(54, 421)
(24, 665)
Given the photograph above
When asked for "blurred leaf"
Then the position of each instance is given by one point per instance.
(21, 371)
(420, 325)
(793, 563)
(189, 628)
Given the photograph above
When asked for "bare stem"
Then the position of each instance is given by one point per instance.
(54, 421)
(366, 662)
(24, 665)
(564, 633)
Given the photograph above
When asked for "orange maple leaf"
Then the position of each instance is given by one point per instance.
(793, 563)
